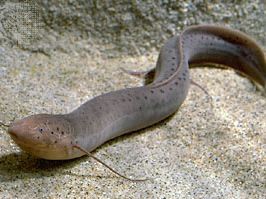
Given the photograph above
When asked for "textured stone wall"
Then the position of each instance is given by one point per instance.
(130, 27)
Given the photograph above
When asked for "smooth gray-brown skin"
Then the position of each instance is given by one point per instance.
(113, 114)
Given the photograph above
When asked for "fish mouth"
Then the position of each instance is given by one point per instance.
(12, 134)
(41, 150)
(11, 131)
(23, 143)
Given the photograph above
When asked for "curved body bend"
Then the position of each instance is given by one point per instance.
(115, 113)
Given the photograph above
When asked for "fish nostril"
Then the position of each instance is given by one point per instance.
(12, 132)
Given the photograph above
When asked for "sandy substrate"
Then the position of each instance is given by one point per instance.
(208, 149)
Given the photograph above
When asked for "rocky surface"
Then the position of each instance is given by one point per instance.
(54, 55)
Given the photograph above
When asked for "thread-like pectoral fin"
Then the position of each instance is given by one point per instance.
(100, 161)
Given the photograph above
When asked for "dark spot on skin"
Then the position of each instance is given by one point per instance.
(71, 142)
(52, 132)
(170, 88)
(55, 141)
(180, 78)
(161, 90)
(184, 79)
(129, 100)
(176, 83)
(57, 129)
(152, 91)
(62, 133)
(100, 108)
(38, 137)
(41, 130)
(145, 97)
(173, 57)
(140, 108)
(172, 69)
(184, 74)
(76, 142)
